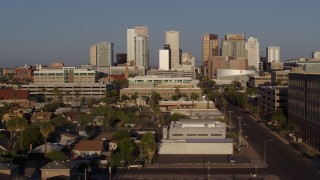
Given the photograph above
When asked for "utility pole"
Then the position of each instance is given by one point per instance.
(239, 131)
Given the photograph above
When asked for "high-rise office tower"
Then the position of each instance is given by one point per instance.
(210, 47)
(234, 45)
(164, 58)
(273, 53)
(253, 53)
(172, 39)
(93, 55)
(101, 54)
(138, 46)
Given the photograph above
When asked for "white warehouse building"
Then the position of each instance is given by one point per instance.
(195, 136)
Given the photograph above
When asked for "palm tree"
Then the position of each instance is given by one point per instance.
(68, 96)
(56, 93)
(43, 90)
(77, 95)
(11, 126)
(45, 129)
(21, 124)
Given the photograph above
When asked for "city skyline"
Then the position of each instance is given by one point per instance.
(47, 32)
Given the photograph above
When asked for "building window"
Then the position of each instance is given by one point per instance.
(177, 134)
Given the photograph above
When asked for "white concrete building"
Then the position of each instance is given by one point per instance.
(163, 81)
(198, 136)
(273, 53)
(195, 129)
(164, 59)
(253, 53)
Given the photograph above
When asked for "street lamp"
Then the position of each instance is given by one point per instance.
(230, 118)
(265, 149)
(255, 166)
(240, 130)
(209, 169)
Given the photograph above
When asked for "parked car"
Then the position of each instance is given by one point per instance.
(139, 166)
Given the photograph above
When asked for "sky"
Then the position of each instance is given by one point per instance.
(39, 31)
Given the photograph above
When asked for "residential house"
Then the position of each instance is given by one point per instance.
(31, 173)
(27, 104)
(41, 116)
(67, 139)
(13, 113)
(72, 116)
(8, 171)
(59, 169)
(62, 110)
(50, 147)
(106, 137)
(89, 148)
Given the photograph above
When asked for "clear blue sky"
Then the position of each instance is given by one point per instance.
(39, 31)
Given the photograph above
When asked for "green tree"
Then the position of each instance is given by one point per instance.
(67, 97)
(31, 136)
(56, 156)
(292, 128)
(194, 96)
(45, 129)
(52, 107)
(22, 124)
(85, 119)
(149, 145)
(281, 119)
(135, 96)
(126, 147)
(60, 121)
(154, 101)
(124, 97)
(11, 126)
(56, 93)
(44, 92)
(174, 117)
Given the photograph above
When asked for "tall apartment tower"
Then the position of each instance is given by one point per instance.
(234, 45)
(210, 47)
(138, 46)
(273, 53)
(101, 54)
(172, 39)
(253, 53)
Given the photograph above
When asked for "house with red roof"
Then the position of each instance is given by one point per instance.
(89, 148)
